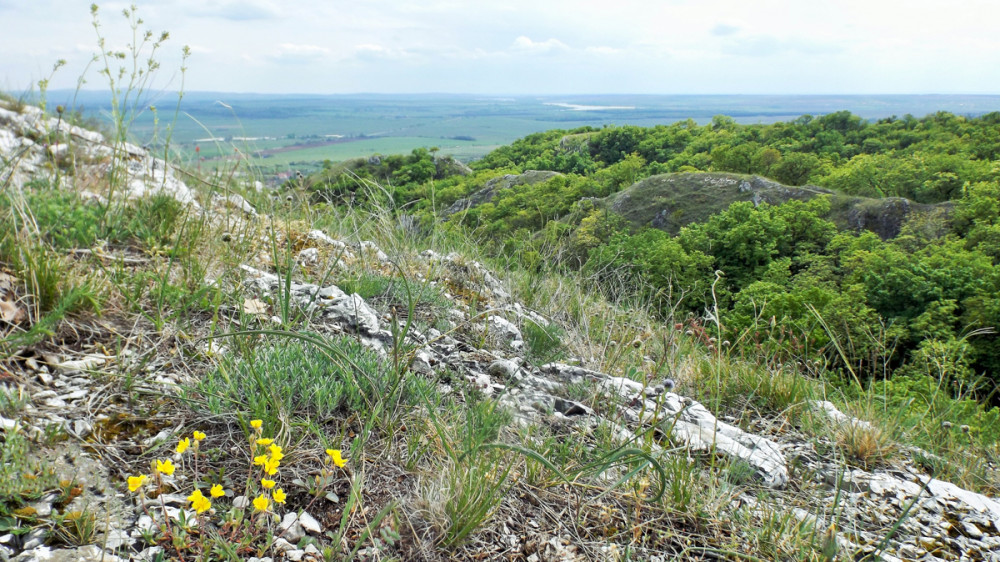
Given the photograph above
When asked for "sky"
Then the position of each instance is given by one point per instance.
(541, 47)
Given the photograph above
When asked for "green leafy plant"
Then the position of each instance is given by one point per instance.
(23, 478)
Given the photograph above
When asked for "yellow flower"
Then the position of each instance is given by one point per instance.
(217, 491)
(267, 483)
(259, 460)
(265, 442)
(198, 436)
(276, 453)
(136, 482)
(183, 445)
(335, 457)
(279, 496)
(260, 503)
(166, 467)
(199, 502)
(271, 466)
(256, 424)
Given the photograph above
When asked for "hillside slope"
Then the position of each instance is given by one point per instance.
(210, 372)
(671, 201)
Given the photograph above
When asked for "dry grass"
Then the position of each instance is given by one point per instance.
(866, 444)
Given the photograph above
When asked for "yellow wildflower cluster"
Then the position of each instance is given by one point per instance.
(266, 454)
(269, 459)
(199, 502)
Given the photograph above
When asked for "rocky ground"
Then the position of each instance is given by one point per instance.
(82, 421)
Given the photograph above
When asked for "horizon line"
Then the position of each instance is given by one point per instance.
(505, 94)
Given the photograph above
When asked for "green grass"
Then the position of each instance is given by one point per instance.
(295, 377)
(544, 342)
(391, 291)
(24, 478)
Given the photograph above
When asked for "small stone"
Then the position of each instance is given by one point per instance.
(44, 378)
(75, 395)
(290, 527)
(150, 553)
(158, 438)
(145, 523)
(972, 531)
(85, 364)
(295, 555)
(34, 539)
(504, 329)
(166, 499)
(82, 428)
(421, 364)
(308, 256)
(502, 369)
(310, 524)
(281, 545)
(92, 553)
(117, 538)
(355, 312)
(56, 403)
(42, 508)
(241, 502)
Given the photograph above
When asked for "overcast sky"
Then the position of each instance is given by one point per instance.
(527, 46)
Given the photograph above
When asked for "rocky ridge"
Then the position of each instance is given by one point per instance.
(940, 521)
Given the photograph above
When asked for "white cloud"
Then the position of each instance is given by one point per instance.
(201, 50)
(524, 44)
(233, 10)
(602, 50)
(372, 51)
(292, 52)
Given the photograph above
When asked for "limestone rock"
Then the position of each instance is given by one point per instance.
(354, 311)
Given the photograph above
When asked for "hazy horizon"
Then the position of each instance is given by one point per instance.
(168, 92)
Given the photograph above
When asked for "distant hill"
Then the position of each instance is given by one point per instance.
(671, 201)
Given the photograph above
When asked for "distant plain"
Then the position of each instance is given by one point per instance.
(284, 132)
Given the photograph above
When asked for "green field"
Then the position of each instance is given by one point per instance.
(464, 126)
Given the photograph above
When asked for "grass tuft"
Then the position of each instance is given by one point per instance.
(866, 444)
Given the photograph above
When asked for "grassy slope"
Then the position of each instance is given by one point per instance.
(405, 441)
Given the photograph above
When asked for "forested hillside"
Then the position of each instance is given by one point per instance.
(883, 266)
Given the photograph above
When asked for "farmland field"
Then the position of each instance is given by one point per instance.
(284, 132)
